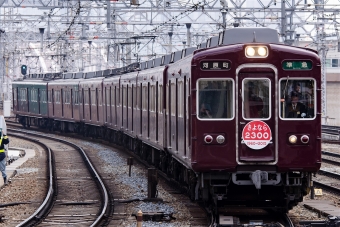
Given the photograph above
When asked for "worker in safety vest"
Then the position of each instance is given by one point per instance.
(3, 141)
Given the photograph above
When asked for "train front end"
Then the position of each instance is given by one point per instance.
(256, 127)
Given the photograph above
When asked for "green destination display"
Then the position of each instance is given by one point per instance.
(297, 65)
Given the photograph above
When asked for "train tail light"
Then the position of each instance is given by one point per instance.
(256, 51)
(292, 139)
(304, 139)
(208, 139)
(220, 139)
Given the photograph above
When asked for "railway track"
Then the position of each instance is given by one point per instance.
(329, 181)
(76, 194)
(331, 133)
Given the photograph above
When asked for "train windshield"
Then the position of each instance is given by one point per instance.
(297, 99)
(215, 99)
(256, 98)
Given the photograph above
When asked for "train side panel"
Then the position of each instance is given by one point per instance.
(92, 108)
(111, 86)
(178, 93)
(152, 125)
(128, 84)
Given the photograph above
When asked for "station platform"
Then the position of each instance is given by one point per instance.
(25, 154)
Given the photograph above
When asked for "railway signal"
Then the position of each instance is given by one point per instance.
(23, 69)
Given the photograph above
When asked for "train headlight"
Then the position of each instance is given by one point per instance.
(220, 139)
(256, 51)
(262, 51)
(292, 139)
(304, 139)
(208, 139)
(250, 51)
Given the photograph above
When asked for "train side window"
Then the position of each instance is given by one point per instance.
(256, 98)
(215, 99)
(160, 99)
(43, 96)
(297, 99)
(180, 99)
(173, 99)
(129, 98)
(152, 98)
(145, 97)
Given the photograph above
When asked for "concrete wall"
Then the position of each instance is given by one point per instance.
(333, 103)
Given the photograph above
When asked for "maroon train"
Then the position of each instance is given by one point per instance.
(237, 121)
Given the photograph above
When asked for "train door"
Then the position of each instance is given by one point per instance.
(53, 102)
(90, 102)
(28, 99)
(97, 103)
(72, 103)
(257, 116)
(132, 98)
(148, 110)
(39, 100)
(83, 102)
(156, 108)
(62, 102)
(14, 98)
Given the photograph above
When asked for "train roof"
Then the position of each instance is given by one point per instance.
(188, 51)
(249, 35)
(213, 41)
(78, 75)
(166, 59)
(157, 62)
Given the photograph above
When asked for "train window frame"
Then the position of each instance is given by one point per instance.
(232, 98)
(269, 101)
(299, 79)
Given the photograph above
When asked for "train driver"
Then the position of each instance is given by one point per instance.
(295, 108)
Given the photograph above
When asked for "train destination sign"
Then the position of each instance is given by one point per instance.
(256, 135)
(215, 65)
(297, 65)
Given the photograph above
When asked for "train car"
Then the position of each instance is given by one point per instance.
(249, 146)
(91, 105)
(112, 112)
(63, 104)
(150, 116)
(30, 101)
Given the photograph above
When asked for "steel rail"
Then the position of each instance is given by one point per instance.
(92, 170)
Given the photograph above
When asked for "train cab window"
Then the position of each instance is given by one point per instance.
(256, 98)
(215, 99)
(297, 99)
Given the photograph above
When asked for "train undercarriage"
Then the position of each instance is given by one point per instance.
(254, 188)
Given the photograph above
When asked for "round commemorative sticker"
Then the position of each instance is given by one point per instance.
(256, 135)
